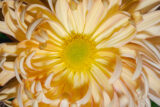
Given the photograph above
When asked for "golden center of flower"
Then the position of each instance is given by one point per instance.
(78, 52)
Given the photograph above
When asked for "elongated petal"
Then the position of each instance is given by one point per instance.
(145, 6)
(4, 28)
(149, 20)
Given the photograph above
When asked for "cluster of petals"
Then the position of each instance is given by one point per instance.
(124, 70)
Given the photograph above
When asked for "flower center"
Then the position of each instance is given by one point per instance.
(78, 52)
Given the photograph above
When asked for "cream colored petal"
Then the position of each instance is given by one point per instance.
(143, 35)
(127, 52)
(9, 90)
(95, 92)
(152, 47)
(50, 2)
(153, 79)
(106, 98)
(123, 37)
(17, 14)
(19, 96)
(153, 30)
(128, 94)
(110, 8)
(71, 21)
(11, 3)
(145, 50)
(93, 16)
(84, 99)
(61, 12)
(115, 101)
(79, 20)
(77, 80)
(8, 49)
(117, 71)
(120, 38)
(10, 24)
(154, 98)
(146, 5)
(64, 103)
(111, 2)
(109, 26)
(32, 27)
(101, 78)
(138, 69)
(4, 28)
(127, 77)
(58, 29)
(8, 66)
(48, 81)
(149, 20)
(5, 76)
(26, 17)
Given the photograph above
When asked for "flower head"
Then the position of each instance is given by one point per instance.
(101, 53)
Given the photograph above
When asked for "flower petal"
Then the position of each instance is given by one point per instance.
(4, 28)
(61, 12)
(146, 5)
(149, 20)
(93, 16)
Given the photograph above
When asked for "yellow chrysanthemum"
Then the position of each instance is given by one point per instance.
(88, 53)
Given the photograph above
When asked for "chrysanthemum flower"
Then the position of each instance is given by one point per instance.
(88, 53)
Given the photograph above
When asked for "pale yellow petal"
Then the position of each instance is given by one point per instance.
(109, 26)
(146, 5)
(61, 12)
(79, 20)
(149, 20)
(119, 38)
(153, 30)
(5, 76)
(9, 91)
(4, 28)
(93, 16)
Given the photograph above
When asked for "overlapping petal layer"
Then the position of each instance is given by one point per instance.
(99, 53)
